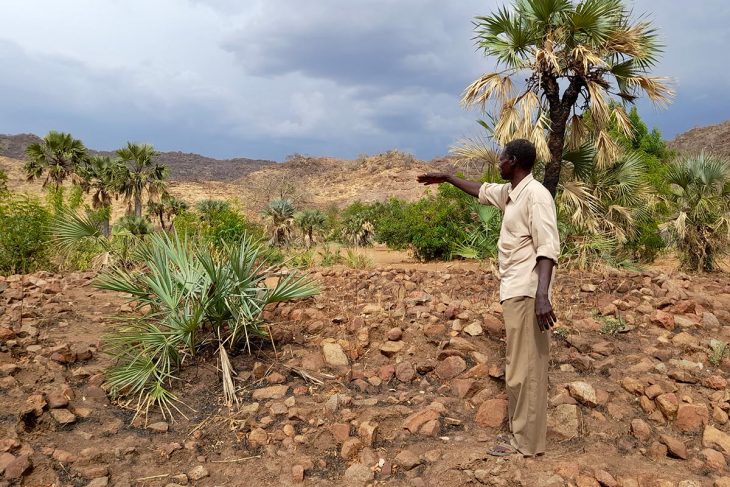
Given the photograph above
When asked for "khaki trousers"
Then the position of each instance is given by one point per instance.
(526, 375)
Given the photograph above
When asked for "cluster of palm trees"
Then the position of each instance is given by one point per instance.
(281, 218)
(132, 173)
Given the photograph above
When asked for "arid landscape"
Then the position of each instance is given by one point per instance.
(393, 375)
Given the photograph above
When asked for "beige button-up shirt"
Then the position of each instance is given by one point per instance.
(529, 230)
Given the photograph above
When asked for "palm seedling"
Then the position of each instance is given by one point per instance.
(191, 299)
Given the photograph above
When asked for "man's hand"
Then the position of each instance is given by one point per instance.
(469, 187)
(546, 318)
(433, 178)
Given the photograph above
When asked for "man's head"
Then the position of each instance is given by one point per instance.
(518, 156)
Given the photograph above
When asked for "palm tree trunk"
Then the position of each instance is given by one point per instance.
(162, 219)
(559, 111)
(311, 239)
(105, 227)
(556, 142)
(138, 205)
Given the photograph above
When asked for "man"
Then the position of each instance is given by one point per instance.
(528, 251)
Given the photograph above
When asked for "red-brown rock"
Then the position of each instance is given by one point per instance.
(450, 367)
(691, 418)
(492, 413)
(414, 422)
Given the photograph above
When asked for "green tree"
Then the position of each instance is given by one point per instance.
(3, 182)
(103, 176)
(24, 239)
(574, 56)
(142, 174)
(279, 216)
(700, 202)
(310, 221)
(57, 157)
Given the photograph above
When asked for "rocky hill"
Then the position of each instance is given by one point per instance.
(310, 181)
(183, 166)
(714, 139)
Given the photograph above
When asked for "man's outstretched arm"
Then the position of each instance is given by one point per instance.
(469, 187)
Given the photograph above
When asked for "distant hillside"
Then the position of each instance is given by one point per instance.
(714, 139)
(183, 166)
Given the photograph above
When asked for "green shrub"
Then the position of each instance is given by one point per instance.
(134, 225)
(357, 223)
(611, 325)
(217, 223)
(301, 260)
(482, 241)
(718, 351)
(24, 240)
(432, 227)
(357, 260)
(329, 257)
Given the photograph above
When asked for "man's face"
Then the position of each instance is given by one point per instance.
(507, 166)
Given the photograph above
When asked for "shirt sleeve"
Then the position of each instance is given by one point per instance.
(544, 227)
(492, 194)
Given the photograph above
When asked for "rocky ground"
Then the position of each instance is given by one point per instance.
(389, 377)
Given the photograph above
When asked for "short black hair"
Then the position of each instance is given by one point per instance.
(523, 150)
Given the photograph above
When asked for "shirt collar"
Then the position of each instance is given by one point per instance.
(515, 193)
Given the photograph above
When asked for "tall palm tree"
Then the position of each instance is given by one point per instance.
(700, 200)
(310, 221)
(574, 56)
(279, 215)
(104, 176)
(143, 174)
(57, 156)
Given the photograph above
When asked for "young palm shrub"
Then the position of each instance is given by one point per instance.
(279, 215)
(168, 207)
(208, 208)
(700, 202)
(309, 222)
(191, 298)
(134, 225)
(72, 232)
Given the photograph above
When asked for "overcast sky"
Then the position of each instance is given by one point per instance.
(267, 78)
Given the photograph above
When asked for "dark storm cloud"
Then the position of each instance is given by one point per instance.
(267, 78)
(375, 44)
